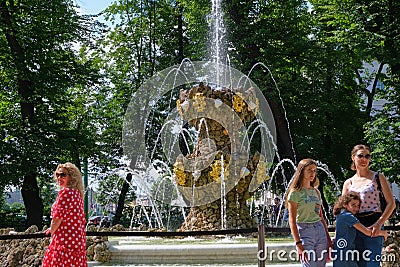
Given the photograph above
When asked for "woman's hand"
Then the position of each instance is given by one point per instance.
(375, 229)
(302, 255)
(47, 231)
(55, 223)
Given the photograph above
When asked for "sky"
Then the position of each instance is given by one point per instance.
(93, 6)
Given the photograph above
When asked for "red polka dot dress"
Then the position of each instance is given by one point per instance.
(68, 243)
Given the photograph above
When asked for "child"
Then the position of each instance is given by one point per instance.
(308, 229)
(345, 253)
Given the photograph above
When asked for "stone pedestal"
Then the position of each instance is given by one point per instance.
(220, 117)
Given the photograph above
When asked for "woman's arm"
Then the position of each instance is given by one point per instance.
(292, 209)
(346, 187)
(391, 204)
(367, 231)
(55, 223)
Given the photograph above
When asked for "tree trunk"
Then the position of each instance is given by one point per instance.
(181, 55)
(252, 55)
(30, 191)
(121, 199)
(33, 202)
(285, 142)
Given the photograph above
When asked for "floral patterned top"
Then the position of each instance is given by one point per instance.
(369, 196)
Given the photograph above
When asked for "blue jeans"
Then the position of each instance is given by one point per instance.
(371, 247)
(314, 240)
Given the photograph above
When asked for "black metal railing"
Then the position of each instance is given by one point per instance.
(172, 234)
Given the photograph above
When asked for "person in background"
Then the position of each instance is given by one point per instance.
(364, 182)
(277, 211)
(67, 229)
(346, 229)
(308, 229)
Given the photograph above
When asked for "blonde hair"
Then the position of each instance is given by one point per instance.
(75, 175)
(345, 200)
(297, 181)
(354, 151)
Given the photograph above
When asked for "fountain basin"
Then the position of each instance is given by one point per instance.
(184, 254)
(221, 252)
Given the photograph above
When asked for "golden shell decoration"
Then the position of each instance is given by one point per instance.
(262, 175)
(180, 174)
(199, 102)
(179, 107)
(238, 102)
(215, 173)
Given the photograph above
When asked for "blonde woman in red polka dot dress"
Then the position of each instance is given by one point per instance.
(68, 237)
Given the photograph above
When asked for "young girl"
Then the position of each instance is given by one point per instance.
(304, 205)
(345, 253)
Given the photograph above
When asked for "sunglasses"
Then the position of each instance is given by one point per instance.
(61, 174)
(367, 156)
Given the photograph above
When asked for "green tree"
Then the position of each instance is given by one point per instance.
(312, 93)
(380, 19)
(147, 36)
(369, 30)
(42, 118)
(383, 132)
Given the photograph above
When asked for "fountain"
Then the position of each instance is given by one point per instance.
(211, 166)
(215, 146)
(217, 161)
(209, 148)
(215, 141)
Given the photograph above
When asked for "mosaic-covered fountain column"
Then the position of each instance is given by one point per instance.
(214, 149)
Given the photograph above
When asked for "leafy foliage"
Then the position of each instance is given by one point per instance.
(66, 79)
(44, 85)
(383, 132)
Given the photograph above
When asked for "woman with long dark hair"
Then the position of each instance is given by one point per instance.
(365, 183)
